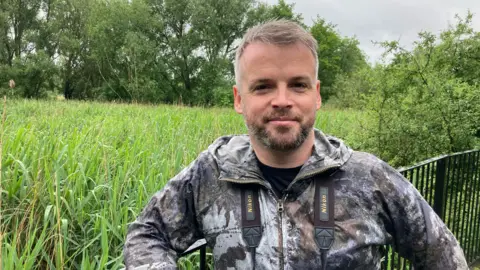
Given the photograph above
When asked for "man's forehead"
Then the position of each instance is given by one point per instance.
(264, 61)
(257, 49)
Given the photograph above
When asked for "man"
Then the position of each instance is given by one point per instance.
(283, 158)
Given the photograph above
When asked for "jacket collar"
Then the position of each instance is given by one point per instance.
(237, 161)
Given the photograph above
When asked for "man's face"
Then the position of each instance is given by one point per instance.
(278, 94)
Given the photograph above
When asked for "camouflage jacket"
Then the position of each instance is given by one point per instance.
(374, 206)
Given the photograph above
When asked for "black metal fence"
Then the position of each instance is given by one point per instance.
(451, 185)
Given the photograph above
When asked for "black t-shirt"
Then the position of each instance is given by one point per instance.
(279, 178)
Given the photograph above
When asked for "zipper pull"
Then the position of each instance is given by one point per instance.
(280, 207)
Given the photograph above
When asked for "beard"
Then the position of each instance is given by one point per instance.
(281, 138)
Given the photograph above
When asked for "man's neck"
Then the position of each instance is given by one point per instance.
(282, 159)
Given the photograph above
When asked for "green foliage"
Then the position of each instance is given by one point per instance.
(146, 51)
(74, 174)
(414, 122)
(350, 90)
(337, 56)
(192, 261)
(425, 101)
(223, 96)
(34, 71)
(282, 10)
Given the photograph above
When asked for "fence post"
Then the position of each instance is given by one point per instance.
(439, 197)
(203, 258)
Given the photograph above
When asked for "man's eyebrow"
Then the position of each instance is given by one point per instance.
(256, 82)
(260, 80)
(300, 78)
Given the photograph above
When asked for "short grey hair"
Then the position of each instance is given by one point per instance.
(278, 32)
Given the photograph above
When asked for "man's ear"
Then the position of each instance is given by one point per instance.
(319, 97)
(237, 100)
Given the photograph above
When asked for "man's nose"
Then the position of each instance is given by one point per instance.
(282, 98)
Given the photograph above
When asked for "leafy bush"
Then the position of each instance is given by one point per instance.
(424, 102)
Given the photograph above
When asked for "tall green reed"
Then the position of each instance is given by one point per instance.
(74, 174)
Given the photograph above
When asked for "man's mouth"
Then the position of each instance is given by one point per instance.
(282, 119)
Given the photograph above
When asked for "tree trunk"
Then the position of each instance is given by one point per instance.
(68, 89)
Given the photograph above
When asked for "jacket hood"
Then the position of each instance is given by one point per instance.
(236, 159)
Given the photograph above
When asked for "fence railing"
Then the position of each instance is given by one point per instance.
(451, 185)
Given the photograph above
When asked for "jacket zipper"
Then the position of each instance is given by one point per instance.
(280, 203)
(280, 233)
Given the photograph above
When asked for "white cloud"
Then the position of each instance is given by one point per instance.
(380, 20)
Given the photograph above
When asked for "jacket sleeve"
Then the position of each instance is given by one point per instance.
(168, 225)
(418, 233)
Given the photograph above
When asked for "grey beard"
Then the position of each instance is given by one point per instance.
(263, 137)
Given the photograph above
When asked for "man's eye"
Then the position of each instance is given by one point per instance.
(260, 87)
(300, 85)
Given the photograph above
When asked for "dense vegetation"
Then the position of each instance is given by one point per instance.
(424, 102)
(149, 51)
(74, 174)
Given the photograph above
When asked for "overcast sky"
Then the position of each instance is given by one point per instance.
(381, 20)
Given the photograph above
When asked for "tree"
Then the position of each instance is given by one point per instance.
(425, 102)
(18, 20)
(336, 55)
(124, 53)
(282, 10)
(142, 50)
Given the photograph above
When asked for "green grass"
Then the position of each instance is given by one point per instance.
(74, 174)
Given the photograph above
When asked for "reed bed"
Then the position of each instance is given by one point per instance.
(74, 174)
